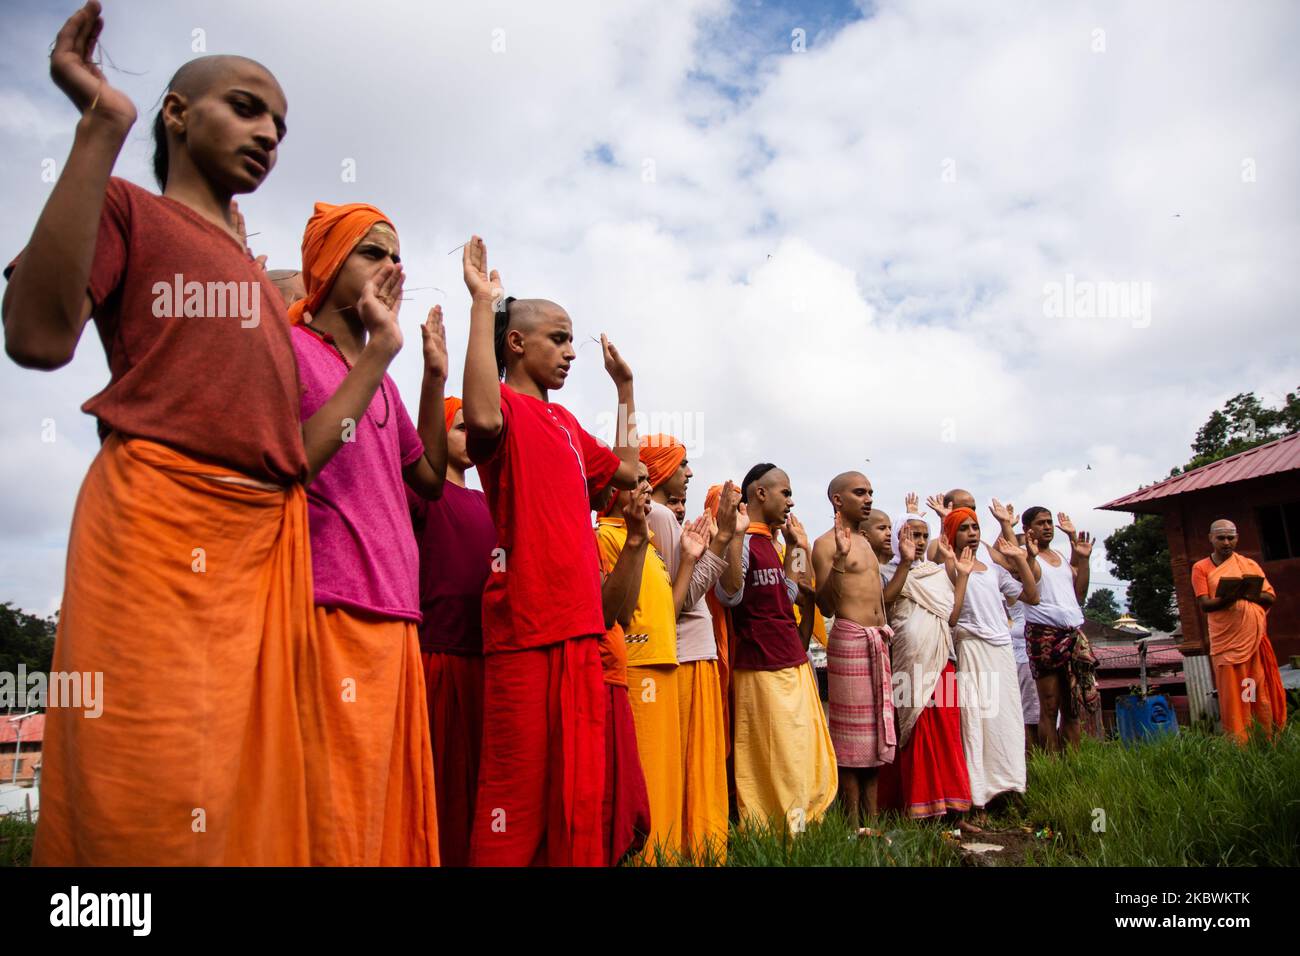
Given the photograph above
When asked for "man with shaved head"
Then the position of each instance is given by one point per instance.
(541, 772)
(289, 283)
(188, 584)
(783, 755)
(1235, 595)
(857, 653)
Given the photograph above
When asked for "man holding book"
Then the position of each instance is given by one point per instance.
(1235, 596)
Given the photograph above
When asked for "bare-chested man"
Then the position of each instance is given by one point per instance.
(861, 709)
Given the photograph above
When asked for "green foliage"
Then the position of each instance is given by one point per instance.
(1139, 553)
(1243, 423)
(1101, 606)
(16, 836)
(25, 639)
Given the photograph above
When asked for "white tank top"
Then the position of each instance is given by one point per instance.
(1057, 606)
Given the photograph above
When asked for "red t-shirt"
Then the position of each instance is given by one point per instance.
(210, 371)
(538, 478)
(456, 538)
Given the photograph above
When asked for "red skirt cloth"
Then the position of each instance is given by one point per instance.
(625, 815)
(454, 684)
(542, 769)
(928, 776)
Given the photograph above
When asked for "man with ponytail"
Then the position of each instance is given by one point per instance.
(542, 767)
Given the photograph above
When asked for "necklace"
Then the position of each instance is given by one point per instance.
(329, 340)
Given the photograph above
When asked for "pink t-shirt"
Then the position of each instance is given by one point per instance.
(363, 551)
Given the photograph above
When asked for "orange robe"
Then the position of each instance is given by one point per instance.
(376, 758)
(189, 590)
(1245, 668)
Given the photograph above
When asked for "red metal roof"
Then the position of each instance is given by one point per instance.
(33, 729)
(1271, 459)
(1114, 656)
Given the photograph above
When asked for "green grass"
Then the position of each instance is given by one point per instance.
(1192, 800)
(16, 840)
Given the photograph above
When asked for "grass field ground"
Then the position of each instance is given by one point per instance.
(1191, 800)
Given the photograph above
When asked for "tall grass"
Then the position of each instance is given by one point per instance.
(1192, 800)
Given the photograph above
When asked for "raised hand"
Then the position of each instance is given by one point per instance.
(1003, 512)
(615, 364)
(943, 550)
(1083, 545)
(912, 501)
(241, 230)
(634, 514)
(794, 532)
(483, 286)
(742, 518)
(906, 544)
(695, 537)
(936, 502)
(1065, 524)
(843, 537)
(1009, 549)
(381, 299)
(966, 563)
(434, 336)
(73, 69)
(1031, 546)
(727, 514)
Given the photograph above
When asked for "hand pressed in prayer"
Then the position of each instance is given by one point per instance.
(695, 537)
(73, 69)
(936, 502)
(434, 336)
(727, 502)
(381, 299)
(483, 286)
(615, 364)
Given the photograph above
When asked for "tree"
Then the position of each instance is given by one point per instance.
(1243, 422)
(1101, 606)
(25, 639)
(1139, 553)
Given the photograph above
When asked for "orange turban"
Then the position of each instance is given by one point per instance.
(450, 406)
(661, 454)
(331, 235)
(954, 521)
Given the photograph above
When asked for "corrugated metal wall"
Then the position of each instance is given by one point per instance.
(1202, 701)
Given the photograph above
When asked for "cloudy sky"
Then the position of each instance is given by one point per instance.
(826, 234)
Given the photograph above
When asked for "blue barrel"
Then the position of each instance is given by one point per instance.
(1141, 717)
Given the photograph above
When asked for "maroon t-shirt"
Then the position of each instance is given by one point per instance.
(196, 337)
(456, 538)
(767, 638)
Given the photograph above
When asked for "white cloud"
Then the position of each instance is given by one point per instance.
(799, 277)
